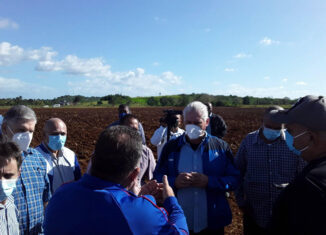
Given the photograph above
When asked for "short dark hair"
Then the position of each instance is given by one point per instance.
(123, 106)
(127, 118)
(8, 151)
(117, 152)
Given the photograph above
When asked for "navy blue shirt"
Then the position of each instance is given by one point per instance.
(95, 206)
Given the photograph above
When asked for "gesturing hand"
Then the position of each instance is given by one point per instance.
(167, 190)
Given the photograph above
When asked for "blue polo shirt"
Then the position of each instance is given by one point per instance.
(95, 206)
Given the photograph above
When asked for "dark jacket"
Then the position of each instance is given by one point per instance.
(217, 165)
(301, 207)
(217, 126)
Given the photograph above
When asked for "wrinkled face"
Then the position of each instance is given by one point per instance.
(58, 128)
(133, 123)
(22, 125)
(9, 169)
(195, 118)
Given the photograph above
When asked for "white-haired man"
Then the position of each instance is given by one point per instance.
(200, 169)
(33, 190)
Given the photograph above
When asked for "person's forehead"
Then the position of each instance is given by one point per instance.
(193, 116)
(58, 126)
(8, 166)
(24, 123)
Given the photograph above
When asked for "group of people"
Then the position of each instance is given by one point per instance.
(278, 175)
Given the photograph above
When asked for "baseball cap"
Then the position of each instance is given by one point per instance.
(308, 111)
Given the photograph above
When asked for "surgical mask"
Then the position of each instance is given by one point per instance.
(6, 188)
(194, 131)
(271, 134)
(22, 139)
(57, 142)
(289, 141)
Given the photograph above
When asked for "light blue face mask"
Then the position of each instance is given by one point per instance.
(6, 188)
(57, 142)
(289, 141)
(271, 134)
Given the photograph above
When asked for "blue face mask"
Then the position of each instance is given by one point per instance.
(6, 188)
(57, 142)
(289, 141)
(271, 134)
(121, 115)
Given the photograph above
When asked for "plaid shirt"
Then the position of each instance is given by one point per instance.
(265, 170)
(32, 191)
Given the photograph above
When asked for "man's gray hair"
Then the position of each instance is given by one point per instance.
(198, 107)
(19, 112)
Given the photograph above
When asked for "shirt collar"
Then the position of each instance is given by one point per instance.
(97, 183)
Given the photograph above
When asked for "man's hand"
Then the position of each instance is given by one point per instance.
(167, 190)
(199, 180)
(149, 188)
(183, 180)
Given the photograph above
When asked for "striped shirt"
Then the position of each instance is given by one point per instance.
(8, 218)
(265, 170)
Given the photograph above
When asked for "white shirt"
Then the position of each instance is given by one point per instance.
(160, 136)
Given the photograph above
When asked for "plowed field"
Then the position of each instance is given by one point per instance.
(84, 126)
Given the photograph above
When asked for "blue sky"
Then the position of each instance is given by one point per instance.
(150, 47)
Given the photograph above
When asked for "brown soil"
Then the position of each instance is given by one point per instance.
(84, 126)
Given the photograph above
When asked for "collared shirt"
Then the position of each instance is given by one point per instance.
(193, 200)
(62, 168)
(147, 165)
(159, 138)
(265, 170)
(95, 206)
(8, 218)
(33, 190)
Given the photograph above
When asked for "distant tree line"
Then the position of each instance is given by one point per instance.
(173, 100)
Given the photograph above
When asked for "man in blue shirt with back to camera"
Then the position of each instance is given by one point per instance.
(109, 200)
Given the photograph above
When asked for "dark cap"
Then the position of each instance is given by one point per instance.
(309, 111)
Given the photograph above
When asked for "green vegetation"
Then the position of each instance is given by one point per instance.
(173, 100)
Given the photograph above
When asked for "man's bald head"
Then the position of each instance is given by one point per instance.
(54, 126)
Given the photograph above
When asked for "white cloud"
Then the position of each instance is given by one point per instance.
(8, 24)
(242, 56)
(13, 54)
(229, 69)
(301, 83)
(12, 87)
(284, 80)
(98, 77)
(267, 78)
(266, 41)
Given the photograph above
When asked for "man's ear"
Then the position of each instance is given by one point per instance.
(131, 178)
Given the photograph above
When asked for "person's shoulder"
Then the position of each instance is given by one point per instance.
(68, 151)
(175, 143)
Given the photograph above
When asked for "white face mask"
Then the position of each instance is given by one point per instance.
(194, 131)
(22, 139)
